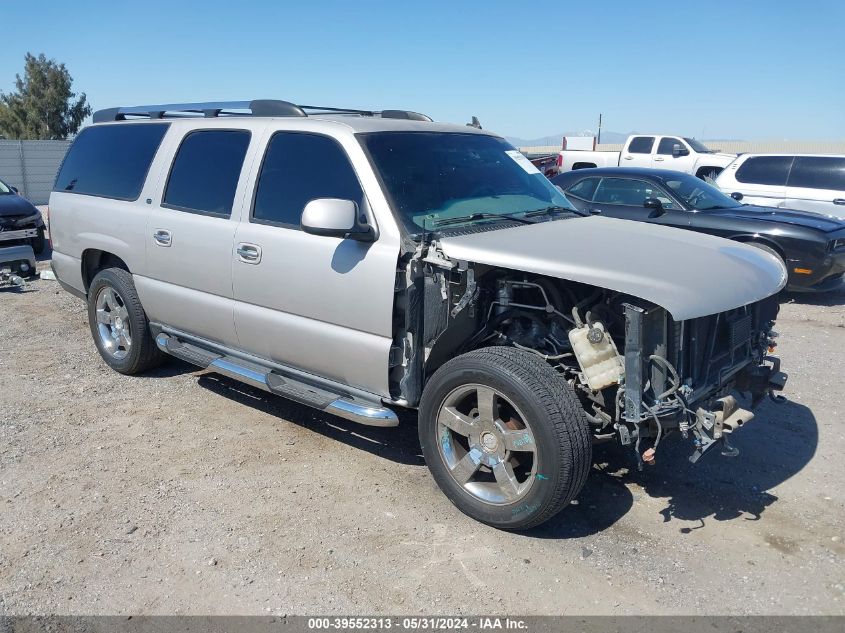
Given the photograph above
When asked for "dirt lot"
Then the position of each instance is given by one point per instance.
(180, 492)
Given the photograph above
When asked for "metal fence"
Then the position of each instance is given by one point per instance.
(31, 166)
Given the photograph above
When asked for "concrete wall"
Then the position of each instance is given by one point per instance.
(31, 166)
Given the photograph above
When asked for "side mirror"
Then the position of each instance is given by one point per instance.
(14, 189)
(333, 217)
(736, 195)
(677, 150)
(655, 205)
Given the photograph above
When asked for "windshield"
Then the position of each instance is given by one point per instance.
(432, 177)
(698, 146)
(4, 188)
(698, 194)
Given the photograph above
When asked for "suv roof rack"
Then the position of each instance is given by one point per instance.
(256, 108)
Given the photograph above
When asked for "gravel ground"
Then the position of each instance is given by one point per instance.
(184, 492)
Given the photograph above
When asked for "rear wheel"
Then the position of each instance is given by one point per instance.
(119, 325)
(505, 437)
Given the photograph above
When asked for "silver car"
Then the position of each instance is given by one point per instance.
(359, 262)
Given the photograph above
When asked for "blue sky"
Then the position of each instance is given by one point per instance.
(741, 69)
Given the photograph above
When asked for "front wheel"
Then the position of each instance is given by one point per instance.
(504, 437)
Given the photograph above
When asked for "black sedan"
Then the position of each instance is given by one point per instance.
(20, 220)
(811, 245)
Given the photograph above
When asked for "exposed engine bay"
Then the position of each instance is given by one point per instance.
(639, 374)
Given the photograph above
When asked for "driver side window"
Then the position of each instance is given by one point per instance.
(667, 145)
(299, 167)
(629, 192)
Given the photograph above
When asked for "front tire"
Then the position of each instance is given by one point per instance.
(504, 437)
(119, 324)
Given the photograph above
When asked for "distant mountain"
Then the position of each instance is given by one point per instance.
(555, 139)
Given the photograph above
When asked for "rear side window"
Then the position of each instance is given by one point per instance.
(111, 161)
(818, 172)
(764, 170)
(205, 172)
(641, 145)
(584, 189)
(300, 167)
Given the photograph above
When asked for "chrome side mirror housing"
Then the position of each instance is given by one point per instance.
(333, 217)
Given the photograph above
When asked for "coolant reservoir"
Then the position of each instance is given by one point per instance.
(596, 353)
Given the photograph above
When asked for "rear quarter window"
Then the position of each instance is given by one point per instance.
(818, 172)
(111, 161)
(764, 170)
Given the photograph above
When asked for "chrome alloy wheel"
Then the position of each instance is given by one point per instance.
(113, 323)
(486, 444)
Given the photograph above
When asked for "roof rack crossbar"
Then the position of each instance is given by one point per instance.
(256, 107)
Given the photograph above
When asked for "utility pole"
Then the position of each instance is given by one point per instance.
(599, 138)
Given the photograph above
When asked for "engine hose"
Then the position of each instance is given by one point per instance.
(675, 377)
(541, 354)
(659, 428)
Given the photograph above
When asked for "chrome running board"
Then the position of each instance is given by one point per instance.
(353, 408)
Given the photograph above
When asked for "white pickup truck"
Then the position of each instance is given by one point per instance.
(659, 152)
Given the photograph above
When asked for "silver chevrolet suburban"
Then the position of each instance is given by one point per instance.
(360, 261)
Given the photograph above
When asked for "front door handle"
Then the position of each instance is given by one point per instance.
(659, 158)
(249, 253)
(839, 201)
(163, 237)
(595, 211)
(628, 157)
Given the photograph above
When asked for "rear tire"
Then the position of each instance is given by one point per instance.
(519, 460)
(119, 324)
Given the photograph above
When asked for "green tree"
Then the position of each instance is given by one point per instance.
(43, 106)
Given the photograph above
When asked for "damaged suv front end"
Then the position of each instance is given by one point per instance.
(652, 327)
(676, 327)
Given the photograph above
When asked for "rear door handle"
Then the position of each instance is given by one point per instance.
(839, 201)
(249, 253)
(659, 158)
(628, 157)
(163, 237)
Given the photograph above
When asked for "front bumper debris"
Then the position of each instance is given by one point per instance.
(712, 427)
(16, 262)
(22, 234)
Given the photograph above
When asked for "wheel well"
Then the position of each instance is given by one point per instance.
(583, 166)
(747, 239)
(708, 171)
(94, 260)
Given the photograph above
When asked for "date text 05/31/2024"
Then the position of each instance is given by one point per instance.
(417, 623)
